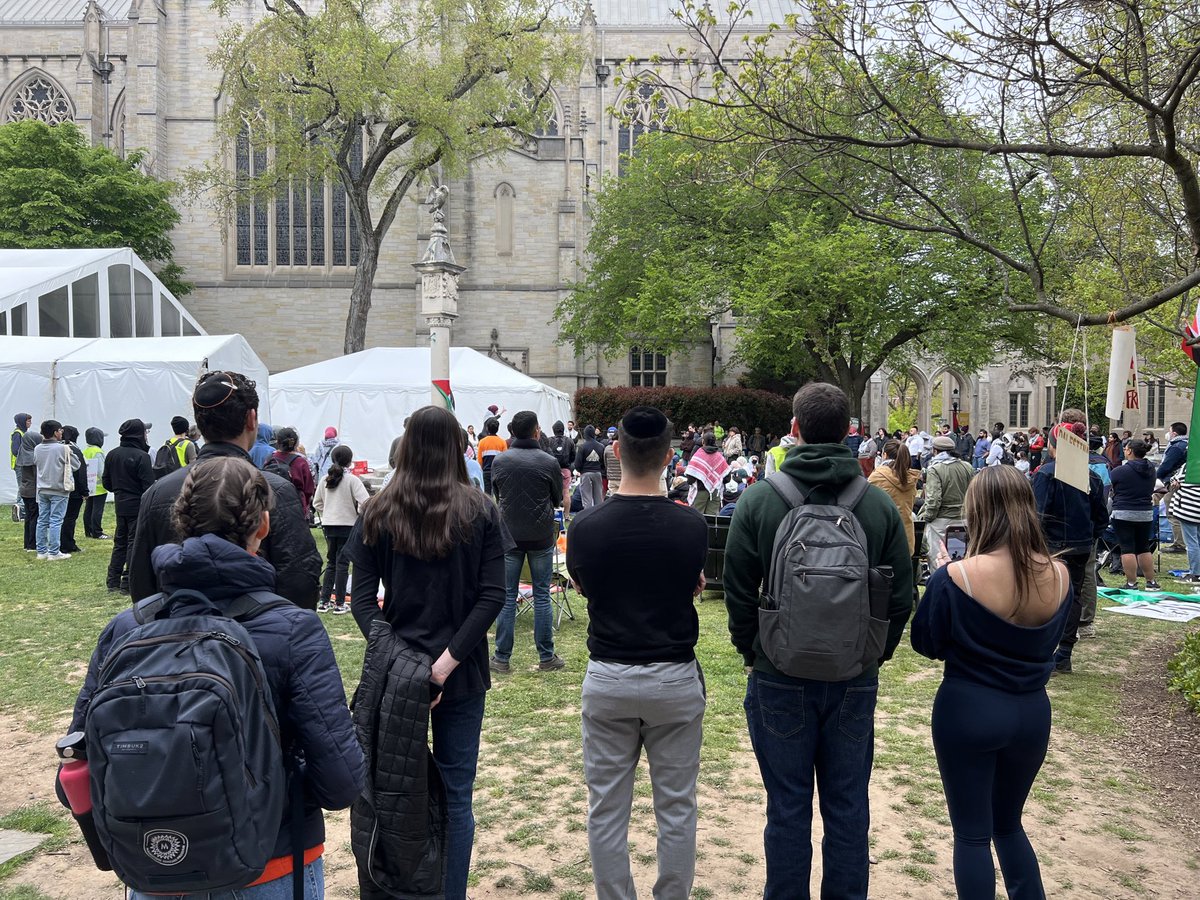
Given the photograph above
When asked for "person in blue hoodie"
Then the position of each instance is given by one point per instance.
(262, 445)
(1133, 514)
(222, 514)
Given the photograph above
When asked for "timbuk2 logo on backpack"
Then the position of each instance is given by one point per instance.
(188, 781)
(823, 613)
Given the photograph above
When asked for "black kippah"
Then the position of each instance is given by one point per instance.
(644, 422)
(212, 390)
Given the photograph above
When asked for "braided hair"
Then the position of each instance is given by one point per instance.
(342, 457)
(226, 497)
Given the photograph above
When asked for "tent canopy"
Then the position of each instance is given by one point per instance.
(101, 382)
(87, 294)
(368, 395)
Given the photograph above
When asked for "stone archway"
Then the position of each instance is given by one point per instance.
(950, 391)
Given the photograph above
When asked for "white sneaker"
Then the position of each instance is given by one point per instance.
(43, 556)
(58, 556)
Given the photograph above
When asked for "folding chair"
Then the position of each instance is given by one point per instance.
(560, 583)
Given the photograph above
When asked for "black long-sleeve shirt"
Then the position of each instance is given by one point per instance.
(638, 561)
(437, 604)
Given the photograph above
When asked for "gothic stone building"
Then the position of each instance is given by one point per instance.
(135, 73)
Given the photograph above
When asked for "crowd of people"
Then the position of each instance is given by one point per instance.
(824, 550)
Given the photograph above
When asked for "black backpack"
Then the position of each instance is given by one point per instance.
(283, 469)
(186, 762)
(166, 460)
(561, 447)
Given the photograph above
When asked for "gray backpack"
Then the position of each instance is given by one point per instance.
(823, 612)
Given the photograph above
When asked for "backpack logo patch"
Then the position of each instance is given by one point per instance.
(167, 848)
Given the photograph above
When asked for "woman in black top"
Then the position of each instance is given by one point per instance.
(996, 618)
(1133, 514)
(438, 545)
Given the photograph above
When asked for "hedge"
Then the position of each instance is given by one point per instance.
(1184, 671)
(744, 407)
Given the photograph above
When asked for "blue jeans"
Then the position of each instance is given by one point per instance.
(456, 726)
(798, 727)
(541, 566)
(1191, 540)
(51, 510)
(279, 889)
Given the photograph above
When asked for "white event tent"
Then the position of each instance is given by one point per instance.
(366, 396)
(101, 382)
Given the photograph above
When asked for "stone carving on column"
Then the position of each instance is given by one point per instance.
(439, 296)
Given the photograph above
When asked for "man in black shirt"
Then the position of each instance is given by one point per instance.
(639, 559)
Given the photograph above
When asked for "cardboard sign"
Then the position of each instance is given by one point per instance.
(1071, 460)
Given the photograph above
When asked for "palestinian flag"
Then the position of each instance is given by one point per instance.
(1191, 331)
(442, 386)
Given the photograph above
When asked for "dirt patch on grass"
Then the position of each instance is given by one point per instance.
(1162, 734)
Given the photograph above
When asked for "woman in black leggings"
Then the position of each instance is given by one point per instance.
(996, 619)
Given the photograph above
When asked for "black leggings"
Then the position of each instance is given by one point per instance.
(337, 564)
(990, 745)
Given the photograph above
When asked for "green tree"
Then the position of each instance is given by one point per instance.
(1077, 120)
(58, 191)
(377, 93)
(680, 240)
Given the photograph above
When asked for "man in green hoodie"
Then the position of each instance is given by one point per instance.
(799, 726)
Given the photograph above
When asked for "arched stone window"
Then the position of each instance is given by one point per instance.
(308, 224)
(642, 110)
(549, 122)
(35, 95)
(505, 195)
(116, 127)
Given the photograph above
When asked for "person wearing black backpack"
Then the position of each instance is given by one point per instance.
(199, 803)
(562, 448)
(287, 463)
(815, 712)
(177, 452)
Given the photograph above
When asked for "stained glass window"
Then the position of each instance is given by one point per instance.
(309, 221)
(39, 98)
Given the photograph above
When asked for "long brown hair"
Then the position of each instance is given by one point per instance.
(1001, 514)
(898, 451)
(430, 503)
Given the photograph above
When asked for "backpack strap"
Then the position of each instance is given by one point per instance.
(159, 605)
(787, 488)
(852, 493)
(254, 604)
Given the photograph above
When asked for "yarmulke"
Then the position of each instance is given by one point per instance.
(213, 390)
(644, 422)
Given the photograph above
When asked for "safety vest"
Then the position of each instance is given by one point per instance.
(14, 438)
(95, 476)
(180, 444)
(778, 453)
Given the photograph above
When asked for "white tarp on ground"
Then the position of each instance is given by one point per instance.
(368, 395)
(101, 382)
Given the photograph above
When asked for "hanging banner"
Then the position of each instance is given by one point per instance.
(1071, 459)
(1122, 366)
(1132, 394)
(1191, 332)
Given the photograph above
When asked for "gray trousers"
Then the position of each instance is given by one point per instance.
(659, 706)
(1088, 592)
(591, 489)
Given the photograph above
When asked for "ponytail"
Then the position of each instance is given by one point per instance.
(898, 452)
(341, 456)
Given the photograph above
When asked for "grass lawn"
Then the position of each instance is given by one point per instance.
(1092, 818)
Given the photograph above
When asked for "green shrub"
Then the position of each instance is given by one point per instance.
(744, 407)
(1184, 671)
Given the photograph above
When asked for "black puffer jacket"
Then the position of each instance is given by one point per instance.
(128, 472)
(298, 658)
(289, 547)
(528, 486)
(398, 825)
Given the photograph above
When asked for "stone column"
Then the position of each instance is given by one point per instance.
(439, 298)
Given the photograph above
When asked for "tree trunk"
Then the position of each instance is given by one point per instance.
(360, 293)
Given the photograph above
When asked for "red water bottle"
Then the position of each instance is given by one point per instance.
(76, 784)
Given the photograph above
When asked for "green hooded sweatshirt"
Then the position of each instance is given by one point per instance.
(752, 537)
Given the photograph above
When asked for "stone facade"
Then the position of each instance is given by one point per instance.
(135, 74)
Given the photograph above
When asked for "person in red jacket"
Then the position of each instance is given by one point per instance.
(298, 469)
